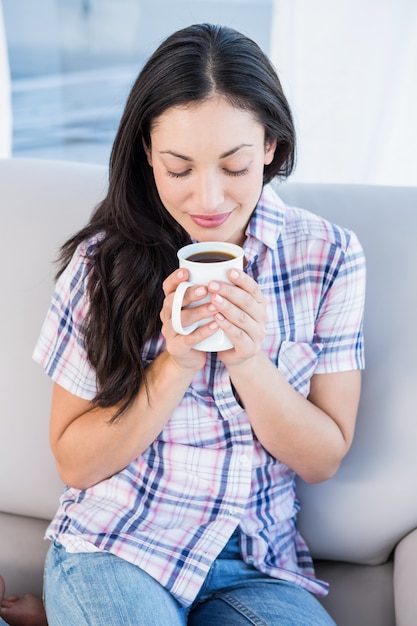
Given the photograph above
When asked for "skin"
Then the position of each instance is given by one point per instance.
(208, 162)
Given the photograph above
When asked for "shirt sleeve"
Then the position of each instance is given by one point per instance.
(60, 348)
(339, 323)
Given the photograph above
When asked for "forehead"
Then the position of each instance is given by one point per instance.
(212, 120)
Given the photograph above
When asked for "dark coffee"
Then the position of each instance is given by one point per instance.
(211, 256)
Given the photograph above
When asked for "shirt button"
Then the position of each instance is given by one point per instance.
(232, 512)
(244, 459)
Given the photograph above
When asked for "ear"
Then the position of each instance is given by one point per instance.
(270, 147)
(148, 152)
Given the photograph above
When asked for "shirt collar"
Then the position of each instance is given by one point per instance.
(268, 219)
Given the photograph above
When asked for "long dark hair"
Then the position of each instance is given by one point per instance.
(138, 239)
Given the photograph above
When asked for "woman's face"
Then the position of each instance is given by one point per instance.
(208, 161)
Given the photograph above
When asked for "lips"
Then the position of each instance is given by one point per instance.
(210, 221)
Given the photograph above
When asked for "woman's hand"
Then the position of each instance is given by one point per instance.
(240, 311)
(181, 347)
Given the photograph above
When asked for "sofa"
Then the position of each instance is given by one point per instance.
(361, 525)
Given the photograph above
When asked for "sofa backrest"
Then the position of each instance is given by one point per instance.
(358, 515)
(362, 512)
(41, 204)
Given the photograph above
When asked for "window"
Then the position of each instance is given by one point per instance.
(72, 63)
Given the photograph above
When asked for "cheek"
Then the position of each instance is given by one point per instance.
(169, 192)
(254, 182)
(160, 181)
(158, 176)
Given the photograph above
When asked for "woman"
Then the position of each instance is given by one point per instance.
(180, 464)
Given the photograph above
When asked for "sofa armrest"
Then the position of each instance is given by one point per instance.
(22, 553)
(405, 580)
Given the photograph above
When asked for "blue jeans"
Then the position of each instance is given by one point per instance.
(100, 589)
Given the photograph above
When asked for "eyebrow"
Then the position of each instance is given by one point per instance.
(222, 156)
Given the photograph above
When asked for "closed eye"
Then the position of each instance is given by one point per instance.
(228, 172)
(178, 174)
(238, 173)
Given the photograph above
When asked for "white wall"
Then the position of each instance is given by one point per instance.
(349, 69)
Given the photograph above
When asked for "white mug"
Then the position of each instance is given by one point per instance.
(205, 261)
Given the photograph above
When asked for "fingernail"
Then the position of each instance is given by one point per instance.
(180, 274)
(200, 291)
(234, 274)
(214, 286)
(218, 298)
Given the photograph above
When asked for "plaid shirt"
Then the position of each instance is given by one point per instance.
(173, 509)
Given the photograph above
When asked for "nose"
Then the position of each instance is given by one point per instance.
(208, 192)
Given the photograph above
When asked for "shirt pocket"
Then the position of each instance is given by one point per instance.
(297, 361)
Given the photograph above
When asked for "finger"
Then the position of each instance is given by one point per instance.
(170, 285)
(237, 323)
(245, 282)
(243, 326)
(253, 303)
(173, 280)
(241, 281)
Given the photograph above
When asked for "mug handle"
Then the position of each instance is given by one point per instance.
(176, 310)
